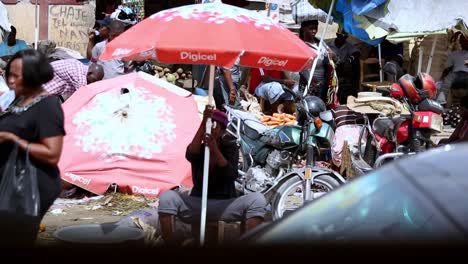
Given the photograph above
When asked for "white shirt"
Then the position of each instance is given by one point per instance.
(112, 68)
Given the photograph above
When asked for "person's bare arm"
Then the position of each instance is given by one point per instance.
(47, 151)
(230, 83)
(197, 141)
(89, 48)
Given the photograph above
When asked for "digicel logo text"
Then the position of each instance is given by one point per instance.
(143, 190)
(76, 178)
(184, 55)
(269, 62)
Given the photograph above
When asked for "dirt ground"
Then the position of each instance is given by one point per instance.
(109, 209)
(68, 212)
(75, 215)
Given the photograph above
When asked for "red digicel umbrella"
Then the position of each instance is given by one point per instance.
(132, 131)
(212, 34)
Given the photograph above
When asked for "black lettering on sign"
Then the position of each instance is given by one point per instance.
(70, 24)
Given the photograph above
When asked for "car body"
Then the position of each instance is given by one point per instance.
(422, 197)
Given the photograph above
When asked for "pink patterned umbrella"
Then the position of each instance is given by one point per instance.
(132, 131)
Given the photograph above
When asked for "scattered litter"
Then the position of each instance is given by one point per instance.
(108, 199)
(155, 204)
(62, 201)
(149, 216)
(57, 211)
(116, 213)
(125, 203)
(139, 199)
(86, 218)
(94, 208)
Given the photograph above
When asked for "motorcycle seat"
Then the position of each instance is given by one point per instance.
(253, 129)
(384, 126)
(250, 125)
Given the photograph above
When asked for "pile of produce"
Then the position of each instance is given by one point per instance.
(173, 77)
(278, 120)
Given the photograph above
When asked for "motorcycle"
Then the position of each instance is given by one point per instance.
(391, 137)
(272, 159)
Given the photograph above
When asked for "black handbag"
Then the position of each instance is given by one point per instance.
(19, 191)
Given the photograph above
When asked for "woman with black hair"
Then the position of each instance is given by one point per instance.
(34, 120)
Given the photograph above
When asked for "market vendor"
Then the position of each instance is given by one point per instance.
(274, 88)
(457, 64)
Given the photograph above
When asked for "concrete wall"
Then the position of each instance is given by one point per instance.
(22, 16)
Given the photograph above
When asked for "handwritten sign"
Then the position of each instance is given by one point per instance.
(69, 26)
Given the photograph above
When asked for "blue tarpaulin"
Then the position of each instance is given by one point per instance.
(350, 22)
(361, 7)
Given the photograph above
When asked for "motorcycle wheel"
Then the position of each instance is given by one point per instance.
(289, 196)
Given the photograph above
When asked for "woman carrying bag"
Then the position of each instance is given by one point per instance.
(32, 127)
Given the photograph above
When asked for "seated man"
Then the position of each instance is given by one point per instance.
(12, 45)
(70, 75)
(461, 131)
(222, 201)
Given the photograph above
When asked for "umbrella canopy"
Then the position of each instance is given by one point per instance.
(212, 34)
(371, 20)
(348, 15)
(133, 131)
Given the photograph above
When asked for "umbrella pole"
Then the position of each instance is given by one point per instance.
(314, 65)
(429, 62)
(36, 29)
(206, 161)
(421, 51)
(380, 63)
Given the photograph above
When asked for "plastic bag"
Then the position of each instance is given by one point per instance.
(19, 191)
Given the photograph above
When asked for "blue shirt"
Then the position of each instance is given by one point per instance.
(6, 50)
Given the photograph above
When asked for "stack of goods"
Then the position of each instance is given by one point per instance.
(452, 117)
(177, 77)
(278, 120)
